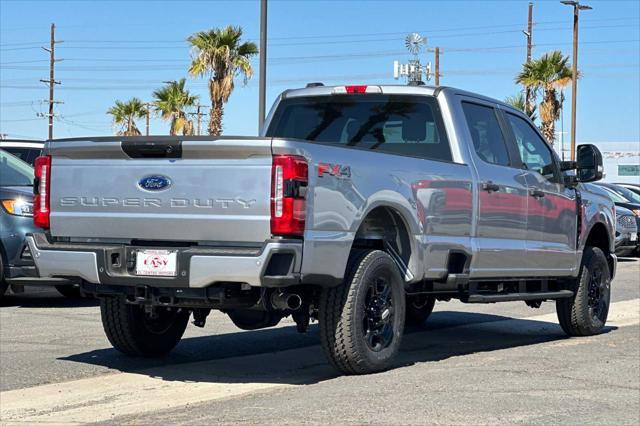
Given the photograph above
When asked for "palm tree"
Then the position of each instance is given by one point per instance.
(171, 101)
(220, 55)
(548, 73)
(518, 102)
(124, 115)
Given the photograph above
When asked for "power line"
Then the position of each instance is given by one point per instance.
(163, 61)
(180, 44)
(326, 36)
(316, 58)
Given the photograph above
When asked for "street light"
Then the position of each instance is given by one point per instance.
(577, 7)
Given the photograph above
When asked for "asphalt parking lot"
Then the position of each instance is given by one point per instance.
(503, 363)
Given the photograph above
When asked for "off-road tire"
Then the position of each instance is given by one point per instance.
(419, 308)
(576, 314)
(131, 331)
(342, 315)
(70, 291)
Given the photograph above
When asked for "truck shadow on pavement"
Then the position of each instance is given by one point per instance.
(283, 356)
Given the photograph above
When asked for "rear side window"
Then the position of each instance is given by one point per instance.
(404, 125)
(486, 133)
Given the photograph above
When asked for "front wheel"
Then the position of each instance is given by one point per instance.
(362, 320)
(135, 332)
(585, 313)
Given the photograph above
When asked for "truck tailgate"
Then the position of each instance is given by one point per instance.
(212, 190)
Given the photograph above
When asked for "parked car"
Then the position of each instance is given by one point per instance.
(630, 196)
(25, 150)
(16, 220)
(626, 232)
(627, 199)
(359, 206)
(631, 187)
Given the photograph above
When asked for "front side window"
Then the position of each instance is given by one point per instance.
(534, 152)
(397, 124)
(486, 133)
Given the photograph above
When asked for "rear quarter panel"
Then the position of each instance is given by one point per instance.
(432, 197)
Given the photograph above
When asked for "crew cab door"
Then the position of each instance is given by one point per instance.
(502, 198)
(552, 218)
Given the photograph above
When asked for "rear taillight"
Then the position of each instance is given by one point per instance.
(290, 176)
(41, 189)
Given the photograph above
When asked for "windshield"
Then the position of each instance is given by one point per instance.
(617, 198)
(13, 171)
(626, 193)
(398, 124)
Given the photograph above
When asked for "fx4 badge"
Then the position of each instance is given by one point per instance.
(337, 170)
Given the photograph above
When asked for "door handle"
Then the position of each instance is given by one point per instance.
(536, 193)
(490, 186)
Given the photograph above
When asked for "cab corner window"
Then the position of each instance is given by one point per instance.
(486, 133)
(534, 152)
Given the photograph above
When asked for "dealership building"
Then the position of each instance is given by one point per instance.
(621, 160)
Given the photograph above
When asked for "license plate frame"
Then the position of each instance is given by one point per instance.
(156, 263)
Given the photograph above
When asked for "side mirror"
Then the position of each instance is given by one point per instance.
(589, 163)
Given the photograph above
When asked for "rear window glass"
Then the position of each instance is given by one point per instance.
(405, 125)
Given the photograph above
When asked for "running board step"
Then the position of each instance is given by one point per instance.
(511, 297)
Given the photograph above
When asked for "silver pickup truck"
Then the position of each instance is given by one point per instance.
(358, 207)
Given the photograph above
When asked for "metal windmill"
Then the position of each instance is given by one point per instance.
(414, 43)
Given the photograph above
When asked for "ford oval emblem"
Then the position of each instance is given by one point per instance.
(154, 183)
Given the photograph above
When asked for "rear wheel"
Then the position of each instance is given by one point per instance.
(586, 312)
(419, 308)
(362, 320)
(133, 331)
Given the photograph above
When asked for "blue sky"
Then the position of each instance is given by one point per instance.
(119, 49)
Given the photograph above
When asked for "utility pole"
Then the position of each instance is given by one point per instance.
(51, 81)
(263, 64)
(198, 116)
(148, 106)
(529, 34)
(437, 74)
(577, 7)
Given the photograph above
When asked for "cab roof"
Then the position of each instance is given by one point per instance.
(317, 89)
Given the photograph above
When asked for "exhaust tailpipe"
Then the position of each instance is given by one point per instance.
(286, 301)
